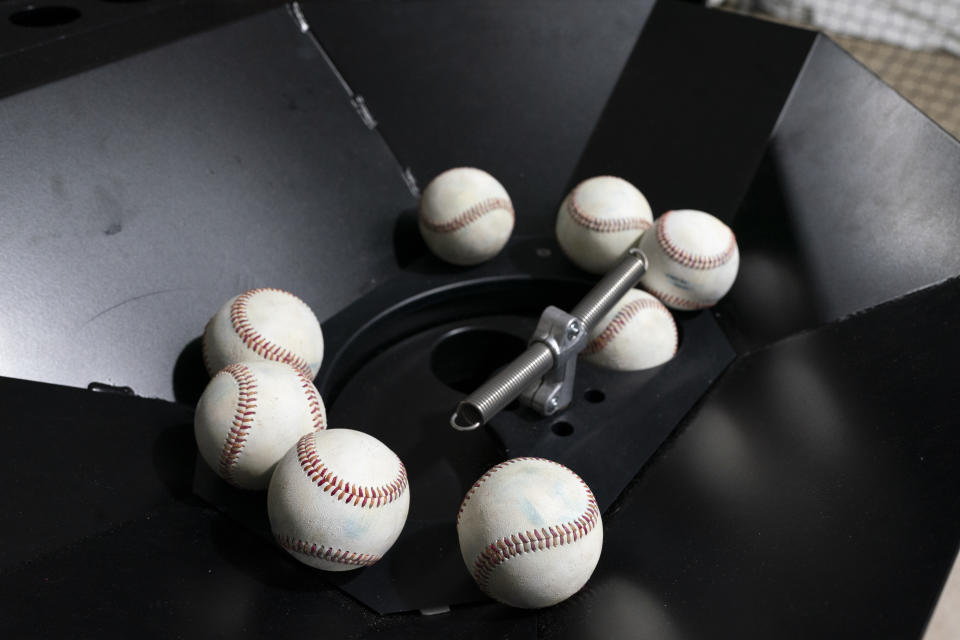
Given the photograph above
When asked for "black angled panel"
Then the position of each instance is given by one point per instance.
(811, 495)
(857, 202)
(513, 88)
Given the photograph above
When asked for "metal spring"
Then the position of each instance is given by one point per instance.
(497, 392)
(534, 363)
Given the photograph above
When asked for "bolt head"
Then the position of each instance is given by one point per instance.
(573, 329)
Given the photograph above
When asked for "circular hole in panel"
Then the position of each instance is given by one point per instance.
(466, 358)
(594, 395)
(562, 428)
(51, 16)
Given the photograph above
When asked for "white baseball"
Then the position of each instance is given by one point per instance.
(249, 416)
(466, 216)
(692, 259)
(638, 333)
(338, 500)
(264, 324)
(599, 220)
(530, 532)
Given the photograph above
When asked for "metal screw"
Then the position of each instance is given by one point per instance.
(552, 404)
(573, 330)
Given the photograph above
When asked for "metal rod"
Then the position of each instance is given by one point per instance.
(613, 286)
(538, 360)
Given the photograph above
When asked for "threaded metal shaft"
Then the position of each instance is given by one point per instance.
(497, 392)
(613, 286)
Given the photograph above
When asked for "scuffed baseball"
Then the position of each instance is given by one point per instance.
(466, 216)
(530, 532)
(338, 500)
(250, 415)
(599, 220)
(692, 259)
(637, 333)
(264, 324)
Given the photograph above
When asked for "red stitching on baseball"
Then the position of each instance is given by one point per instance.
(677, 301)
(625, 315)
(338, 488)
(326, 553)
(517, 544)
(313, 401)
(255, 341)
(602, 225)
(469, 216)
(691, 260)
(243, 417)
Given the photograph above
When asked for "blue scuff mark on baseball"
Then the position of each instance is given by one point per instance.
(531, 512)
(354, 528)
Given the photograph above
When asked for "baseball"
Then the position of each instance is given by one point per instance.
(530, 532)
(466, 216)
(264, 324)
(338, 500)
(599, 220)
(249, 416)
(638, 333)
(692, 259)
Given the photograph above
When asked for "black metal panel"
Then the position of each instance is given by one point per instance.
(857, 202)
(694, 107)
(514, 88)
(80, 463)
(43, 42)
(187, 572)
(140, 196)
(811, 495)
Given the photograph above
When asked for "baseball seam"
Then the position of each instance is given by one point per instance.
(678, 301)
(329, 554)
(313, 401)
(469, 216)
(692, 260)
(524, 542)
(602, 225)
(242, 419)
(359, 496)
(620, 321)
(252, 338)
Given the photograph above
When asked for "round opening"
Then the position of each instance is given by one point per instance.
(467, 417)
(562, 428)
(594, 395)
(45, 16)
(466, 358)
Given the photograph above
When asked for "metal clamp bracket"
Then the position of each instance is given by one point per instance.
(563, 334)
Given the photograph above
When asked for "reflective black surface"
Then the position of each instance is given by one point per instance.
(811, 495)
(857, 202)
(142, 195)
(811, 492)
(512, 87)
